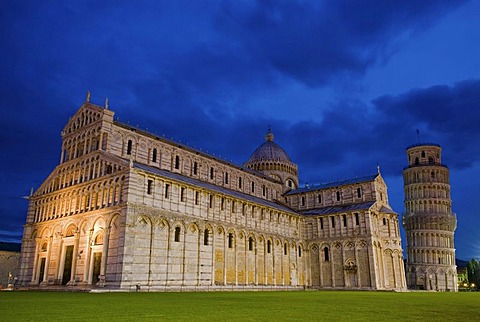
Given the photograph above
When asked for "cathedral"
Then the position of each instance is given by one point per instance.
(125, 210)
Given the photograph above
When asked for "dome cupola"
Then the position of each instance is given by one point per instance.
(270, 159)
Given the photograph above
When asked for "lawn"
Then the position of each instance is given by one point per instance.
(239, 306)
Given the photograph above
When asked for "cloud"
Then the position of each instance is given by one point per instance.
(315, 42)
(445, 114)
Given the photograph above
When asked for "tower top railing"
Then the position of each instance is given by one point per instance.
(422, 144)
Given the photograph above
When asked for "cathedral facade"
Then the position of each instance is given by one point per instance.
(125, 209)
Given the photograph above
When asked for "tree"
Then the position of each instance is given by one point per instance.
(473, 273)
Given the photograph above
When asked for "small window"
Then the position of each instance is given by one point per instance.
(210, 204)
(195, 167)
(205, 237)
(299, 251)
(264, 191)
(222, 203)
(129, 147)
(321, 223)
(154, 155)
(230, 240)
(417, 162)
(423, 154)
(384, 221)
(269, 246)
(226, 178)
(432, 174)
(240, 183)
(333, 221)
(149, 187)
(253, 186)
(182, 194)
(303, 201)
(212, 173)
(359, 193)
(177, 162)
(167, 190)
(196, 197)
(319, 198)
(326, 254)
(430, 160)
(338, 195)
(357, 219)
(177, 234)
(233, 206)
(250, 244)
(285, 249)
(344, 217)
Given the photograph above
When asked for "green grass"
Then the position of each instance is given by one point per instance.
(239, 306)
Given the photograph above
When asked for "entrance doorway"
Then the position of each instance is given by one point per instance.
(97, 264)
(41, 273)
(67, 268)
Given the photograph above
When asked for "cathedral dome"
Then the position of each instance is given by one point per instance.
(269, 151)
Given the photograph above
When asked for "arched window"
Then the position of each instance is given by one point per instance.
(149, 187)
(226, 177)
(205, 237)
(299, 251)
(129, 147)
(211, 201)
(211, 173)
(154, 155)
(195, 167)
(285, 249)
(253, 186)
(417, 161)
(240, 183)
(177, 162)
(269, 246)
(423, 154)
(326, 254)
(230, 240)
(250, 244)
(430, 160)
(177, 234)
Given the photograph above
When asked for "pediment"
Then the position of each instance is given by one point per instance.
(87, 114)
(56, 180)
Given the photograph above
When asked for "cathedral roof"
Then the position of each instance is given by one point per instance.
(333, 184)
(339, 208)
(269, 151)
(211, 187)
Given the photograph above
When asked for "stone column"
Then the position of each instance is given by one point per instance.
(103, 267)
(74, 257)
(88, 250)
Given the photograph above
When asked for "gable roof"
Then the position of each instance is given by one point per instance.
(221, 190)
(339, 208)
(333, 184)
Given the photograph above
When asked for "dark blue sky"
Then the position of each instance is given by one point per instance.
(343, 84)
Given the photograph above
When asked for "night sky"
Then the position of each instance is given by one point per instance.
(344, 85)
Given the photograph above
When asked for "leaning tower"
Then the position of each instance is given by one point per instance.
(429, 221)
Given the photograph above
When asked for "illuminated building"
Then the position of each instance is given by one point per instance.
(125, 208)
